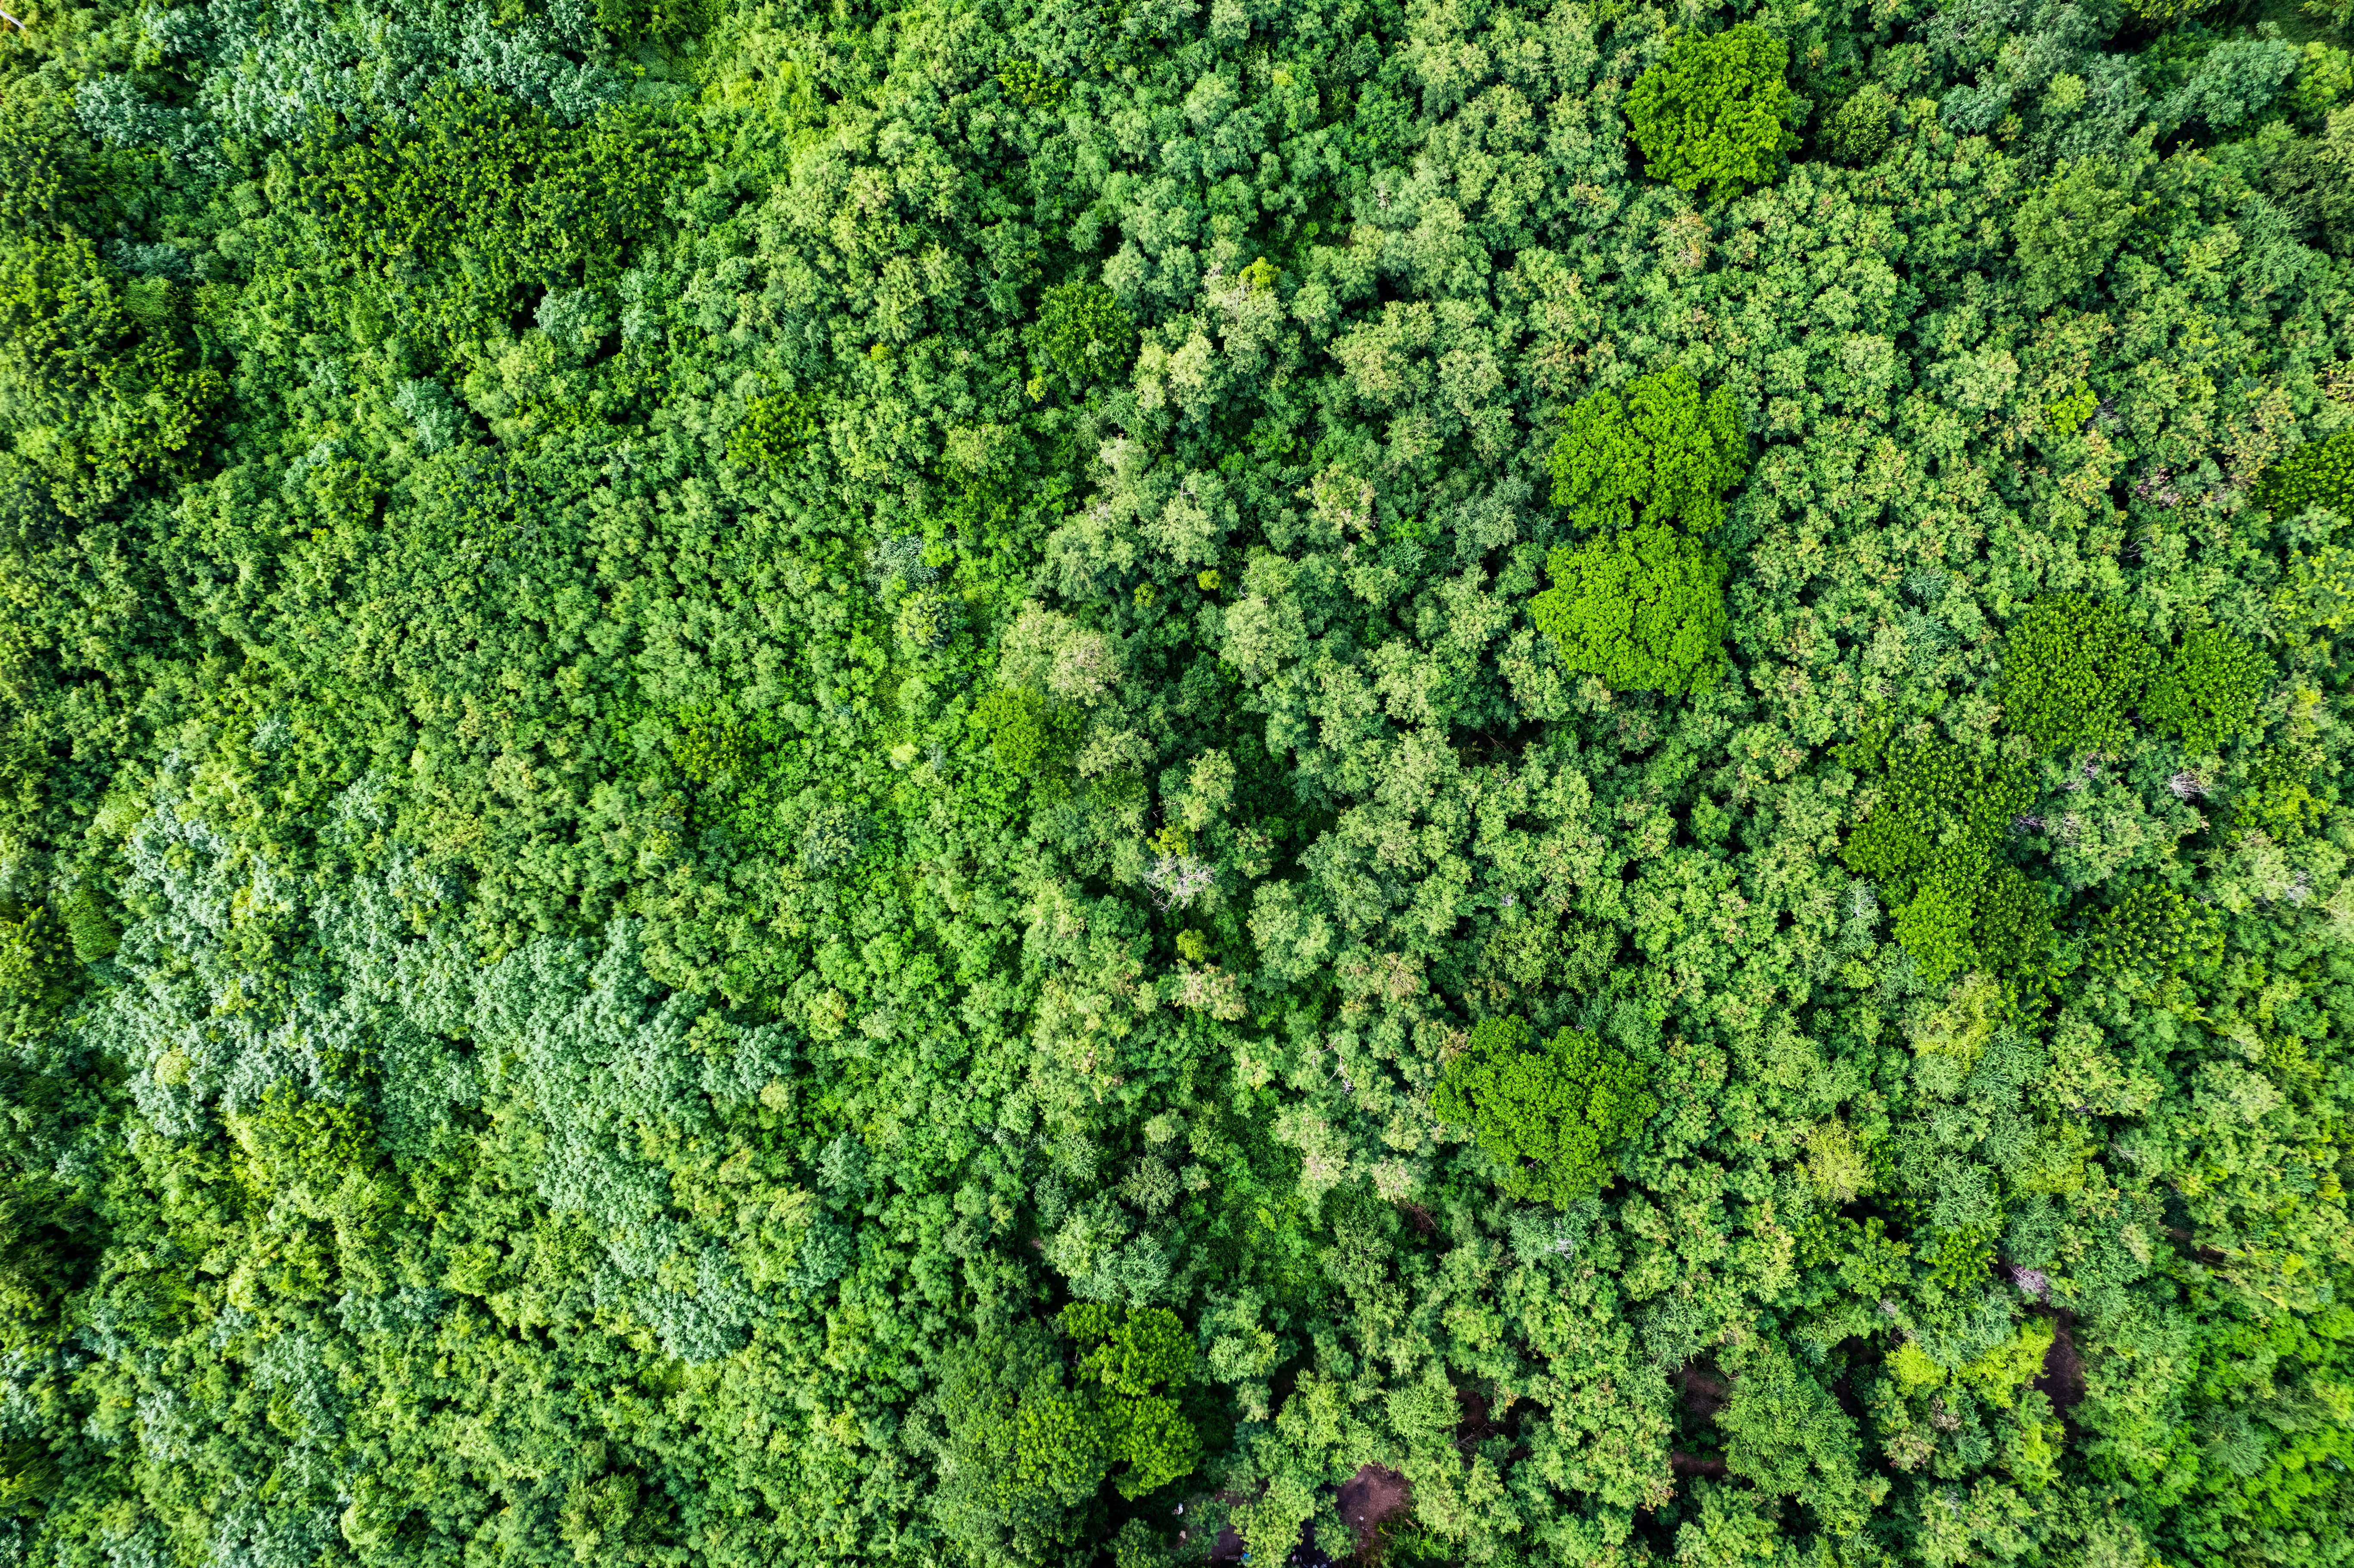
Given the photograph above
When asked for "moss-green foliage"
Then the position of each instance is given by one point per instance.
(97, 384)
(1935, 927)
(1029, 735)
(49, 174)
(1785, 1435)
(2073, 670)
(501, 201)
(90, 924)
(1132, 1363)
(1553, 1117)
(776, 427)
(2207, 688)
(1081, 337)
(1716, 111)
(2152, 932)
(2014, 922)
(2277, 798)
(661, 20)
(1665, 451)
(1862, 127)
(1938, 816)
(822, 679)
(2317, 473)
(36, 966)
(2069, 228)
(1643, 608)
(1035, 1442)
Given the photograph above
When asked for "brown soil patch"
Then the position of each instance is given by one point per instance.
(1703, 1390)
(2062, 1382)
(1693, 1465)
(1471, 1422)
(1228, 1548)
(1370, 1499)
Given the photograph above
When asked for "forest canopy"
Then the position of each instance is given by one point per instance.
(1109, 783)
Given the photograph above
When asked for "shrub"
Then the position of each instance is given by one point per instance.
(2073, 669)
(1715, 112)
(1552, 1118)
(2207, 690)
(1643, 610)
(1664, 452)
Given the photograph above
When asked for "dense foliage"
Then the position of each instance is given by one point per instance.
(1098, 783)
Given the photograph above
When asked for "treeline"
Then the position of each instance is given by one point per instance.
(1099, 783)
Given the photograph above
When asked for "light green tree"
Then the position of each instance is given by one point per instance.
(1716, 111)
(1642, 609)
(1553, 1117)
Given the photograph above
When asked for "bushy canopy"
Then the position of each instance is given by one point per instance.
(1716, 111)
(1049, 785)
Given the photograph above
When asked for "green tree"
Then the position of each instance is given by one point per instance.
(2073, 670)
(1716, 111)
(97, 385)
(2154, 931)
(1642, 609)
(1553, 1118)
(1785, 1433)
(1930, 841)
(1862, 127)
(1081, 336)
(2070, 227)
(2318, 473)
(2207, 687)
(1666, 452)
